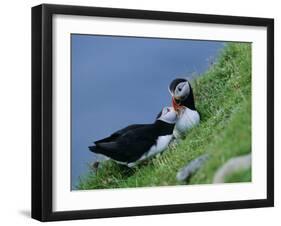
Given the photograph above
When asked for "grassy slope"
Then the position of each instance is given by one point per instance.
(223, 97)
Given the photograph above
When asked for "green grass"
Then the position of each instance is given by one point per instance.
(223, 98)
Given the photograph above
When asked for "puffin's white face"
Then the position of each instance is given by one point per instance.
(181, 91)
(168, 115)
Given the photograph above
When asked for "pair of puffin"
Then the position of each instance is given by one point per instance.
(135, 143)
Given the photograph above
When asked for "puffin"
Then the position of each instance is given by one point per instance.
(135, 143)
(183, 103)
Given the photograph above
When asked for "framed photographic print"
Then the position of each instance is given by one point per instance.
(145, 112)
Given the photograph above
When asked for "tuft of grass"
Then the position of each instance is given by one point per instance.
(223, 98)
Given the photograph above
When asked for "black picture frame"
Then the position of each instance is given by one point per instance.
(42, 111)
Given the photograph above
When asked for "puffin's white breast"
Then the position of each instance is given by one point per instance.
(161, 144)
(187, 119)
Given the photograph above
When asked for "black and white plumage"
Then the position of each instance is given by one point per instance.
(138, 142)
(183, 103)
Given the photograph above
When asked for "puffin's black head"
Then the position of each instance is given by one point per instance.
(173, 85)
(168, 115)
(182, 94)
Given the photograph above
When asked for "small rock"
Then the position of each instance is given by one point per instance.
(185, 172)
(231, 166)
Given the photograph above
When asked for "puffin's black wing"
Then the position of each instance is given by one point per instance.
(130, 146)
(118, 133)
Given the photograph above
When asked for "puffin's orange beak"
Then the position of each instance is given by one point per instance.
(176, 106)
